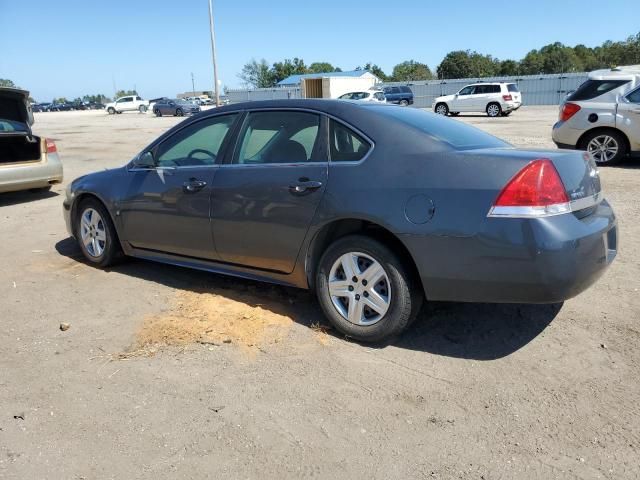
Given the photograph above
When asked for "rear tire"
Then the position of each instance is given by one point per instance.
(404, 103)
(96, 234)
(142, 109)
(392, 291)
(442, 109)
(494, 110)
(179, 112)
(607, 147)
(111, 110)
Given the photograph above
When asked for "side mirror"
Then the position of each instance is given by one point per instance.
(144, 160)
(172, 103)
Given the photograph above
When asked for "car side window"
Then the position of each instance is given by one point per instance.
(346, 145)
(195, 145)
(634, 97)
(467, 90)
(278, 137)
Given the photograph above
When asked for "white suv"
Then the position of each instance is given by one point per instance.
(495, 99)
(368, 96)
(603, 115)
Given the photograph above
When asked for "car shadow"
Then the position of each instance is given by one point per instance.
(15, 198)
(463, 330)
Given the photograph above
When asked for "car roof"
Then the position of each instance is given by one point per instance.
(329, 106)
(618, 73)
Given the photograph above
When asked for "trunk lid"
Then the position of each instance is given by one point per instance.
(16, 116)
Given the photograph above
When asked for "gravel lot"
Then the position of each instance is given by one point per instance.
(252, 384)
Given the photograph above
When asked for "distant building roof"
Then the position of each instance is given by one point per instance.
(296, 79)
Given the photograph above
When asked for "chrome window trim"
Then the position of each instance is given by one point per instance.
(546, 211)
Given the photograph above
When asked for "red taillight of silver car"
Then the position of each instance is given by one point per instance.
(568, 110)
(535, 191)
(51, 145)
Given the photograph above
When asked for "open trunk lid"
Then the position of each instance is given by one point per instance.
(16, 116)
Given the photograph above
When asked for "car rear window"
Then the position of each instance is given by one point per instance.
(452, 132)
(512, 87)
(405, 89)
(594, 88)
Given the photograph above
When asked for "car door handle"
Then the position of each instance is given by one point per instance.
(304, 186)
(193, 185)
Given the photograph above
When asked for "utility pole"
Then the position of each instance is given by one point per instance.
(213, 54)
(193, 85)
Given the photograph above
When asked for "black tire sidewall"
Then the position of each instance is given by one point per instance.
(112, 249)
(405, 297)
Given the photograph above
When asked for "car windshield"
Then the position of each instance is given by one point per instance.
(452, 132)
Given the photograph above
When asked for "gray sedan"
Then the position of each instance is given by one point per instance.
(374, 207)
(175, 107)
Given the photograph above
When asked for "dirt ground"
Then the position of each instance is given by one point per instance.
(171, 373)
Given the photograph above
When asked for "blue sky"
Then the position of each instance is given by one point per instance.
(74, 47)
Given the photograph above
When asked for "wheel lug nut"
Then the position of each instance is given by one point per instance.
(354, 279)
(351, 288)
(366, 294)
(357, 297)
(364, 282)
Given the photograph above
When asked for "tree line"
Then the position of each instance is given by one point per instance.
(94, 98)
(552, 58)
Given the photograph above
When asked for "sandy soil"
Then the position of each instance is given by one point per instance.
(171, 373)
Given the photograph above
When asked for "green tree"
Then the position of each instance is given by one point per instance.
(5, 82)
(322, 67)
(282, 70)
(509, 68)
(465, 64)
(257, 74)
(411, 70)
(125, 93)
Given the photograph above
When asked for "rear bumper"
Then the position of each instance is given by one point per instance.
(511, 106)
(24, 176)
(564, 136)
(546, 260)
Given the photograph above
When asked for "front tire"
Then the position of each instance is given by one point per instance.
(442, 109)
(157, 112)
(606, 147)
(142, 109)
(179, 112)
(494, 110)
(365, 289)
(96, 234)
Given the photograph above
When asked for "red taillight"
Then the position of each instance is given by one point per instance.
(536, 190)
(51, 146)
(507, 98)
(568, 110)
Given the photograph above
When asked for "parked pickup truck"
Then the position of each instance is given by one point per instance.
(129, 103)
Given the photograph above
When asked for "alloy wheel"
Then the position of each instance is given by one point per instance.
(93, 232)
(359, 288)
(603, 148)
(493, 110)
(441, 109)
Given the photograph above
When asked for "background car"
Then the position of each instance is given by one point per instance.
(368, 96)
(129, 103)
(490, 224)
(400, 95)
(175, 107)
(495, 99)
(603, 116)
(26, 160)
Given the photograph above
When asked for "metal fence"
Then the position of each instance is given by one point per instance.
(536, 89)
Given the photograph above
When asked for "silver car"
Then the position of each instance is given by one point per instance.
(603, 115)
(26, 161)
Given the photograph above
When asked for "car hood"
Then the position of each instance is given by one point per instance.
(14, 106)
(444, 98)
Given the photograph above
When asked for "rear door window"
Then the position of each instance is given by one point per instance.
(512, 87)
(594, 88)
(278, 137)
(346, 145)
(634, 97)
